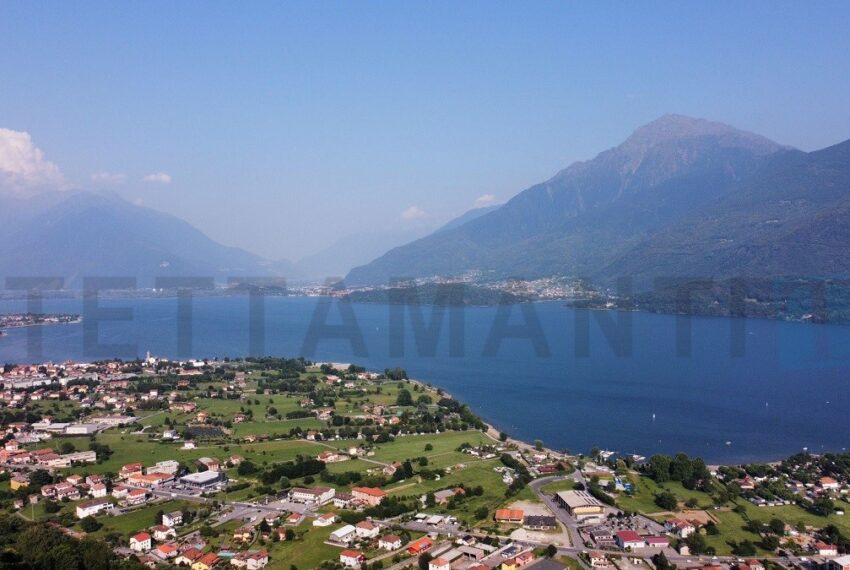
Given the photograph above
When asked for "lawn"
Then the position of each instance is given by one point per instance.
(128, 448)
(643, 498)
(308, 550)
(412, 446)
(135, 521)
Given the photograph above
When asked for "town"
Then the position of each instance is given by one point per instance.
(285, 463)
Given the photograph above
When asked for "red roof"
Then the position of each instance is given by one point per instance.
(420, 545)
(141, 537)
(509, 515)
(351, 554)
(369, 491)
(209, 559)
(629, 536)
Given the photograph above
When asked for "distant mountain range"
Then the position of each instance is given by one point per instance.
(77, 234)
(681, 197)
(81, 234)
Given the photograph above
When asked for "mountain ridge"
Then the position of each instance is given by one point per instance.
(586, 213)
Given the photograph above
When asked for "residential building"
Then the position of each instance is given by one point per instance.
(325, 519)
(510, 516)
(351, 558)
(365, 529)
(389, 542)
(251, 559)
(92, 508)
(206, 562)
(368, 495)
(172, 519)
(312, 496)
(141, 542)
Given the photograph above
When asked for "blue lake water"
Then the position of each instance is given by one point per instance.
(788, 390)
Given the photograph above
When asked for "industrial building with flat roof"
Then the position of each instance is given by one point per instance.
(203, 479)
(580, 504)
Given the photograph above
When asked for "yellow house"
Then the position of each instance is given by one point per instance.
(18, 482)
(206, 562)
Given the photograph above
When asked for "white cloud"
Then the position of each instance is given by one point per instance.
(23, 169)
(158, 178)
(104, 177)
(413, 213)
(484, 200)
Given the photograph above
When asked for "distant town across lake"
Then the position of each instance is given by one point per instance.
(729, 391)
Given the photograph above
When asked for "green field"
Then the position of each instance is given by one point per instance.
(132, 522)
(308, 550)
(643, 498)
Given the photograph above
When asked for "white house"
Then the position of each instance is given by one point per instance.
(162, 532)
(141, 542)
(326, 519)
(250, 560)
(92, 508)
(365, 529)
(173, 519)
(389, 542)
(314, 496)
(98, 490)
(351, 558)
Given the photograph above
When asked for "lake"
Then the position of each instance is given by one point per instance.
(768, 388)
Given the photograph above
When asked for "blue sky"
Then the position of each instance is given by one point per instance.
(280, 127)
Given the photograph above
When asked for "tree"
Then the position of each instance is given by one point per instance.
(823, 506)
(290, 534)
(696, 543)
(659, 468)
(424, 559)
(666, 500)
(777, 527)
(430, 500)
(503, 436)
(428, 447)
(208, 531)
(661, 562)
(51, 507)
(770, 542)
(404, 398)
(743, 548)
(264, 526)
(89, 524)
(246, 468)
(158, 516)
(551, 551)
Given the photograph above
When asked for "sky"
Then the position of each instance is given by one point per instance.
(282, 127)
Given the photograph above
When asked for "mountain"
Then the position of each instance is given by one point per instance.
(80, 234)
(791, 219)
(589, 214)
(351, 251)
(468, 216)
